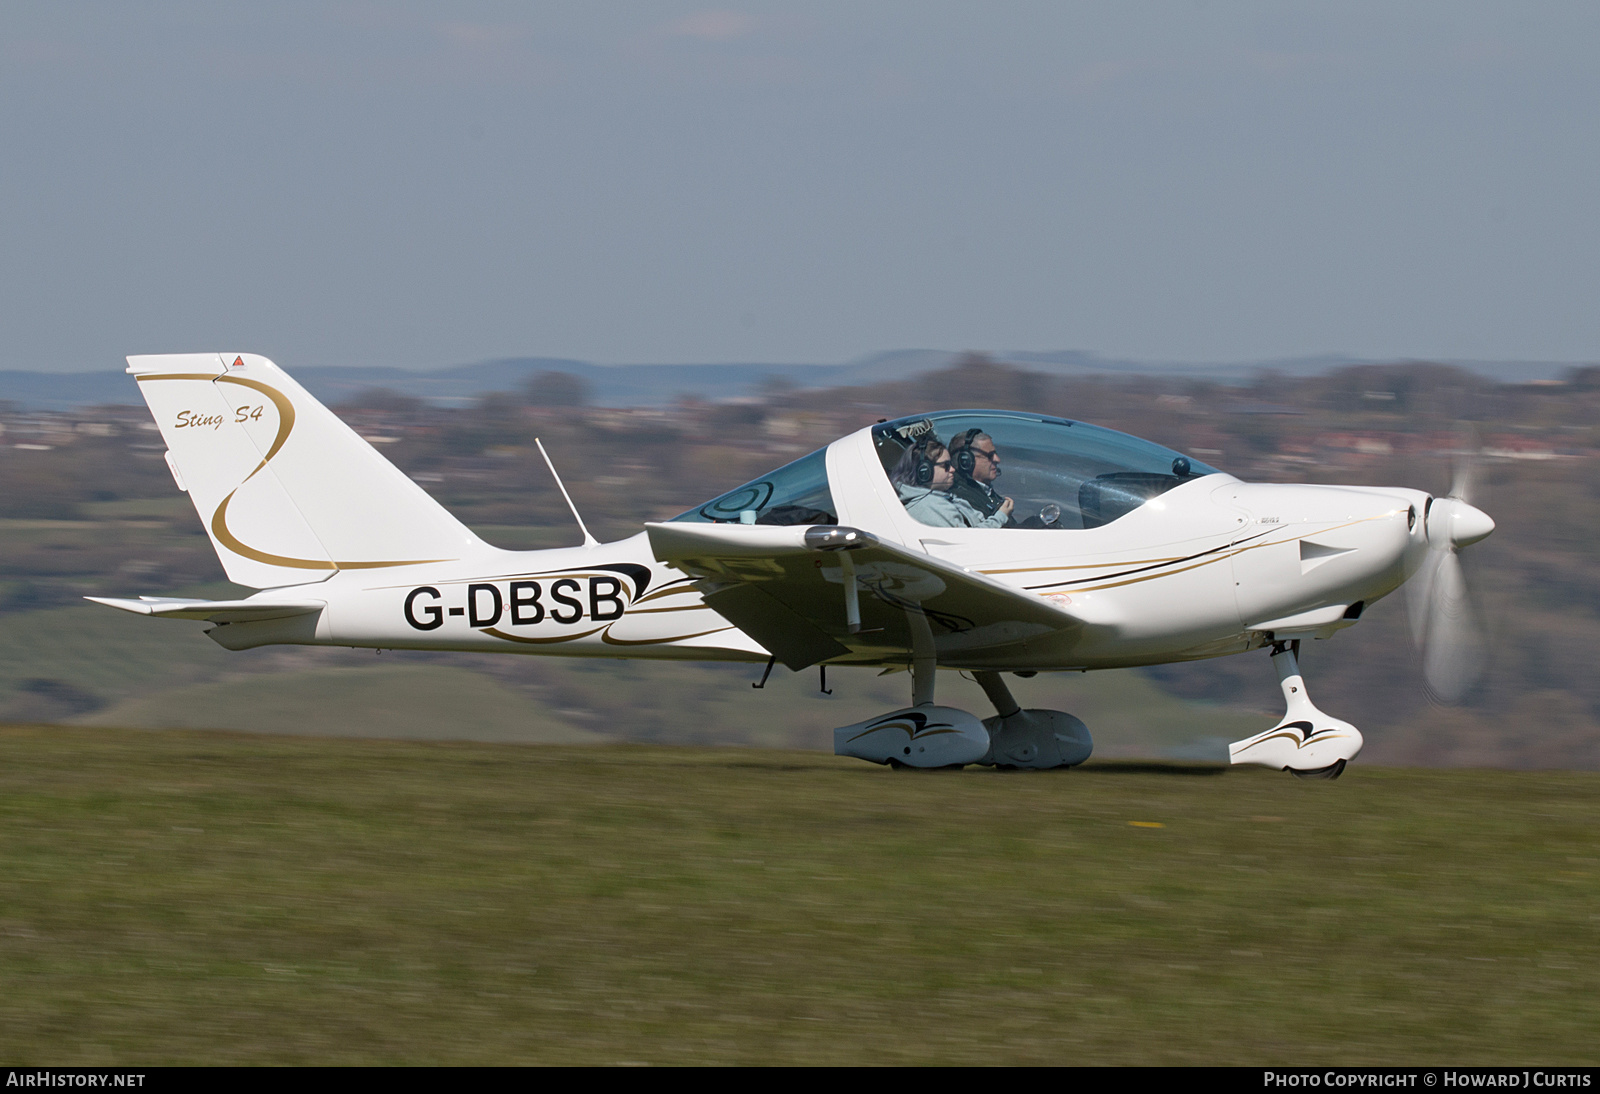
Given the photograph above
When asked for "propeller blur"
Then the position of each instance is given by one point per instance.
(1442, 620)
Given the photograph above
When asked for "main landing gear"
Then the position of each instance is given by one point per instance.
(926, 735)
(1307, 743)
(1030, 738)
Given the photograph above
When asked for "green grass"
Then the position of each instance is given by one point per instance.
(418, 702)
(106, 651)
(190, 897)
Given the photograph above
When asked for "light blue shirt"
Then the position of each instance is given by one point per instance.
(941, 509)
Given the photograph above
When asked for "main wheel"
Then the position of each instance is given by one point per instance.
(1332, 771)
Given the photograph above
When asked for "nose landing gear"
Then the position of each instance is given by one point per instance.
(1307, 743)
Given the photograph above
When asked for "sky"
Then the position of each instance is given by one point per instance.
(431, 184)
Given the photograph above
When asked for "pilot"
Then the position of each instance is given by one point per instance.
(924, 477)
(977, 464)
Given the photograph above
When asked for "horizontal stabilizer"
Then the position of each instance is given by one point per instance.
(824, 593)
(216, 611)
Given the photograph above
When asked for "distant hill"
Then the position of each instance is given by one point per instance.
(655, 385)
(615, 385)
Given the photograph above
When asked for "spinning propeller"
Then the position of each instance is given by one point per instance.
(1442, 621)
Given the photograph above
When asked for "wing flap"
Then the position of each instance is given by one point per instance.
(786, 634)
(785, 587)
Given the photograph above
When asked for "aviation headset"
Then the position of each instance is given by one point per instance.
(963, 457)
(924, 470)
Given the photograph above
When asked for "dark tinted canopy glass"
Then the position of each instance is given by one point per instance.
(1057, 473)
(796, 493)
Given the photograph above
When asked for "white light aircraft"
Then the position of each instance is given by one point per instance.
(891, 547)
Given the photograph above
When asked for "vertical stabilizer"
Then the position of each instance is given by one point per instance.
(288, 493)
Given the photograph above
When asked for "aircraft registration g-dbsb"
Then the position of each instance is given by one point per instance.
(1110, 552)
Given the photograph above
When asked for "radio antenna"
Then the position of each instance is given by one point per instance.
(588, 540)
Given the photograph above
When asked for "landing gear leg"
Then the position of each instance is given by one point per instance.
(1005, 704)
(1307, 742)
(1030, 738)
(924, 661)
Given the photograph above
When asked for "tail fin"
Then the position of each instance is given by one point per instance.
(287, 492)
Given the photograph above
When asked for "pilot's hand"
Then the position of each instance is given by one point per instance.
(1007, 505)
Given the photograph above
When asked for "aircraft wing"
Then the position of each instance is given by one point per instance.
(217, 611)
(786, 587)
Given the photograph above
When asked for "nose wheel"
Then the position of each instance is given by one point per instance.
(1307, 743)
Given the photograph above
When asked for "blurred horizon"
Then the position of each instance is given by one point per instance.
(647, 384)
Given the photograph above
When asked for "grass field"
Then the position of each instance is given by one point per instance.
(173, 897)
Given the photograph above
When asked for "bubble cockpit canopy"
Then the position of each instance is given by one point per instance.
(1058, 473)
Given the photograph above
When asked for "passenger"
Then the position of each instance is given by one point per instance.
(977, 465)
(923, 479)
